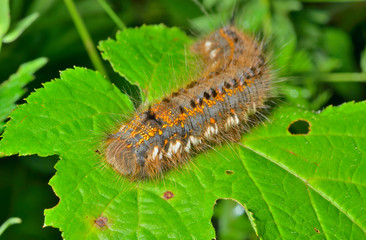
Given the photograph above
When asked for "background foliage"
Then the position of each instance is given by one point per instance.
(320, 44)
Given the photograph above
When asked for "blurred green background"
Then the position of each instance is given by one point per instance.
(318, 48)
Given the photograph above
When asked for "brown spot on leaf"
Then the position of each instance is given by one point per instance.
(316, 230)
(229, 172)
(101, 221)
(168, 195)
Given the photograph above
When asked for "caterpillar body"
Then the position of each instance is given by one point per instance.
(233, 88)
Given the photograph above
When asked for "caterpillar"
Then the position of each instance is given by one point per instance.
(231, 91)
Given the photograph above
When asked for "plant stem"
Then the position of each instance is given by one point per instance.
(9, 222)
(112, 14)
(267, 21)
(343, 77)
(85, 37)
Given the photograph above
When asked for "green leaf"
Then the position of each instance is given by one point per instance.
(304, 186)
(145, 64)
(324, 170)
(12, 89)
(20, 27)
(59, 110)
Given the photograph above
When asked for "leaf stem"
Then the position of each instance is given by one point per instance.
(346, 77)
(85, 37)
(343, 77)
(267, 21)
(112, 14)
(9, 222)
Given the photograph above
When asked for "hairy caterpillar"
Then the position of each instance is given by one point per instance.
(233, 89)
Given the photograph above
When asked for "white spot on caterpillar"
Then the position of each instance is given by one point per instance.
(213, 53)
(194, 140)
(155, 152)
(229, 122)
(121, 128)
(208, 45)
(160, 155)
(170, 150)
(187, 148)
(177, 146)
(173, 148)
(210, 130)
(168, 154)
(216, 129)
(236, 119)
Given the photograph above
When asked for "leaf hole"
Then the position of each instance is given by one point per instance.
(229, 172)
(228, 215)
(299, 127)
(168, 195)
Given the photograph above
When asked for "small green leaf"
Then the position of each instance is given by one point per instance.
(20, 27)
(12, 89)
(146, 63)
